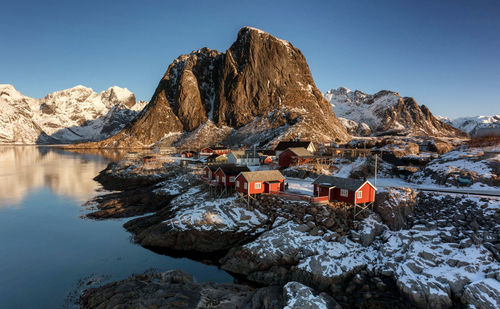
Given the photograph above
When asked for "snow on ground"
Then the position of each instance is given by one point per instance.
(300, 186)
(300, 296)
(483, 163)
(195, 210)
(425, 265)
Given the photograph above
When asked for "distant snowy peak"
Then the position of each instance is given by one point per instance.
(472, 124)
(69, 115)
(385, 112)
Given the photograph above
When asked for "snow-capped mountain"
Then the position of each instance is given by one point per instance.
(472, 124)
(66, 116)
(385, 112)
(257, 92)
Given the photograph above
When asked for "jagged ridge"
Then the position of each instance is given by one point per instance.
(71, 115)
(386, 112)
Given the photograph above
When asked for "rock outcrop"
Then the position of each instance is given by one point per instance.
(261, 85)
(386, 113)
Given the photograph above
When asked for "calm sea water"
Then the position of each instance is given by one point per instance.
(46, 249)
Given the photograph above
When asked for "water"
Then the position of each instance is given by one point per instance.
(46, 248)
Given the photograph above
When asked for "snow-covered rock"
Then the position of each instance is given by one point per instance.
(66, 116)
(484, 294)
(385, 112)
(299, 296)
(481, 164)
(472, 124)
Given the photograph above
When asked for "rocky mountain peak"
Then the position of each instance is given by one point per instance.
(260, 84)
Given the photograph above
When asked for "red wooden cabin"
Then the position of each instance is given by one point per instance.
(209, 171)
(352, 191)
(147, 159)
(187, 154)
(216, 149)
(260, 182)
(226, 175)
(297, 156)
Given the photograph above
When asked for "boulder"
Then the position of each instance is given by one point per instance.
(299, 296)
(483, 294)
(395, 205)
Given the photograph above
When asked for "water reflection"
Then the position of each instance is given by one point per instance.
(27, 168)
(46, 248)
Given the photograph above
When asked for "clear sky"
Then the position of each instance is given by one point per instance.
(445, 54)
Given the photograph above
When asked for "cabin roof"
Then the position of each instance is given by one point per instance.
(213, 156)
(282, 146)
(340, 182)
(269, 175)
(243, 154)
(268, 152)
(232, 170)
(300, 151)
(218, 148)
(214, 167)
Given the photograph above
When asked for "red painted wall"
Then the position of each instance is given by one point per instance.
(323, 191)
(285, 158)
(264, 188)
(335, 196)
(220, 174)
(242, 181)
(368, 194)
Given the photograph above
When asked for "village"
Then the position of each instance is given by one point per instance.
(314, 214)
(251, 172)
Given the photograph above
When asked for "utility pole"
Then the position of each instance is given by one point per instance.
(376, 157)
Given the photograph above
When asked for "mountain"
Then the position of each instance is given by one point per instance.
(257, 92)
(72, 115)
(472, 124)
(385, 112)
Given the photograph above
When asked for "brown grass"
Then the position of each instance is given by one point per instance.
(484, 141)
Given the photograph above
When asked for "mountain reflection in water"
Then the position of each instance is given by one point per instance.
(46, 249)
(27, 168)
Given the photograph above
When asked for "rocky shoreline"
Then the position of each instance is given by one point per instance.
(427, 250)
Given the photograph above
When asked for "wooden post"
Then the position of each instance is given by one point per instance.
(375, 182)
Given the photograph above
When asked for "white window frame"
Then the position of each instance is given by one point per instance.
(231, 179)
(237, 183)
(359, 194)
(245, 185)
(257, 185)
(344, 192)
(223, 179)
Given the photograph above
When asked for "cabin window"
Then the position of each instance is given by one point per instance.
(359, 194)
(231, 179)
(223, 179)
(238, 183)
(245, 186)
(209, 174)
(317, 189)
(257, 185)
(344, 192)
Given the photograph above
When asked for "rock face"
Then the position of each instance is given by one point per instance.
(72, 115)
(261, 85)
(395, 205)
(170, 289)
(386, 113)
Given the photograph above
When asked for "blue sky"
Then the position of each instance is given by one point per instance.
(445, 54)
